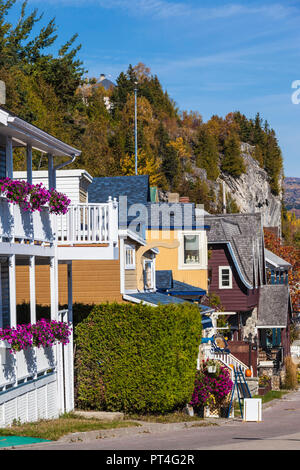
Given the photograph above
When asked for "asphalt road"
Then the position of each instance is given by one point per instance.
(279, 430)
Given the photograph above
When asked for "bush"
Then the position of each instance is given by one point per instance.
(291, 380)
(137, 358)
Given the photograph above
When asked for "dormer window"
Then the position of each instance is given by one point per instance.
(129, 257)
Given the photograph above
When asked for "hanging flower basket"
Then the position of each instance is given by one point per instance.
(41, 334)
(33, 197)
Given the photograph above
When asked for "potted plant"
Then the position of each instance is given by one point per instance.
(211, 366)
(264, 384)
(211, 391)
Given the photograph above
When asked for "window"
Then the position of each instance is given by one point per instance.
(129, 257)
(225, 277)
(191, 253)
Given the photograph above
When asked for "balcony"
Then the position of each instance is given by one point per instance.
(19, 226)
(88, 227)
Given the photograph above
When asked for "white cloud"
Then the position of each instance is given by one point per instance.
(167, 9)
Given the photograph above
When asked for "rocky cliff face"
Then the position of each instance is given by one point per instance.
(251, 191)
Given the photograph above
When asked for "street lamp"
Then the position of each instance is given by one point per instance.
(135, 126)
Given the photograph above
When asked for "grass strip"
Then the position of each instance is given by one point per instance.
(54, 429)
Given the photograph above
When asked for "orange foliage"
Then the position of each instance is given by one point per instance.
(292, 256)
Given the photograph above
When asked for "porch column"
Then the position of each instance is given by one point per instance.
(54, 287)
(12, 290)
(9, 157)
(32, 290)
(51, 181)
(68, 350)
(70, 293)
(29, 163)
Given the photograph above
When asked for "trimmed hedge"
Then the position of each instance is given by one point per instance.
(137, 358)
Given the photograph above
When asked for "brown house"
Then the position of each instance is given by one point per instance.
(257, 306)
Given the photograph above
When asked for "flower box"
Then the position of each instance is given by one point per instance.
(4, 347)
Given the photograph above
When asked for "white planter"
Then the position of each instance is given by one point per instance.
(211, 369)
(4, 347)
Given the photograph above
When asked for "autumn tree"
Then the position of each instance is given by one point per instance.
(290, 254)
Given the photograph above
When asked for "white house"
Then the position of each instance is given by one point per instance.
(36, 383)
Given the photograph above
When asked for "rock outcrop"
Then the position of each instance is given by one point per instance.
(252, 192)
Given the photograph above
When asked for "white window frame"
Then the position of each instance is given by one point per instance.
(132, 265)
(221, 268)
(202, 250)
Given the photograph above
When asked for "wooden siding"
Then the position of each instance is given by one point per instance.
(237, 298)
(42, 285)
(130, 279)
(93, 282)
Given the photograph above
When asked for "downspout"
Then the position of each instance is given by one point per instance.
(58, 167)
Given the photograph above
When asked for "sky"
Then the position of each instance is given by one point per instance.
(211, 57)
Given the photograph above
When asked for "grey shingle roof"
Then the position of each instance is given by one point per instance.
(274, 305)
(136, 188)
(156, 298)
(275, 260)
(244, 232)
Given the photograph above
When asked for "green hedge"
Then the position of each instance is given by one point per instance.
(137, 358)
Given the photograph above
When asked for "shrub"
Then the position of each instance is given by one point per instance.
(137, 358)
(291, 381)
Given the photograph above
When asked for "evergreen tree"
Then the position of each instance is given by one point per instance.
(233, 162)
(207, 155)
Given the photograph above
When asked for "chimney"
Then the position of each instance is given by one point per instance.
(102, 77)
(2, 92)
(184, 199)
(173, 197)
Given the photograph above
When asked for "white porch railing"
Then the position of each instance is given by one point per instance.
(16, 224)
(88, 223)
(230, 359)
(24, 366)
(227, 360)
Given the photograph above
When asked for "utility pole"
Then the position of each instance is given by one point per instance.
(135, 127)
(224, 198)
